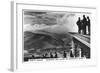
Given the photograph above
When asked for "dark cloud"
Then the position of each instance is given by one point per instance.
(48, 18)
(33, 13)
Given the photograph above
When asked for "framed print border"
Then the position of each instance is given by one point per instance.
(17, 42)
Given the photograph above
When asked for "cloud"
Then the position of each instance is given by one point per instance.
(64, 24)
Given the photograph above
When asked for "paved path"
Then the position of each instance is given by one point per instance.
(85, 39)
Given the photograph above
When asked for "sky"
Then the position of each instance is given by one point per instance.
(57, 22)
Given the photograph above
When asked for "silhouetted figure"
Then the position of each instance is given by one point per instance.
(51, 56)
(56, 56)
(84, 22)
(88, 24)
(43, 56)
(64, 54)
(32, 56)
(71, 54)
(79, 24)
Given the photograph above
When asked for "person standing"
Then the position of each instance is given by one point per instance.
(51, 55)
(79, 24)
(64, 54)
(88, 24)
(84, 22)
(71, 54)
(56, 56)
(32, 56)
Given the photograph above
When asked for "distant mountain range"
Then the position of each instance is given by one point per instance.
(41, 39)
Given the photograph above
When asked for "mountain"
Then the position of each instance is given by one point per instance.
(41, 39)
